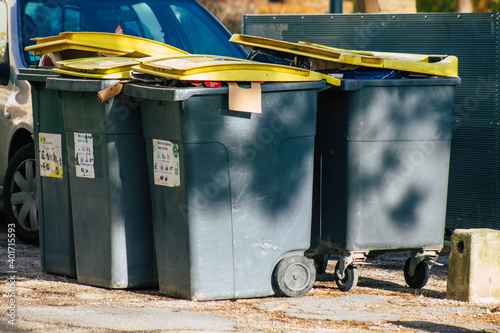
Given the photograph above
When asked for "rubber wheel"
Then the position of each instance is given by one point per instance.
(19, 195)
(320, 263)
(421, 276)
(350, 280)
(294, 276)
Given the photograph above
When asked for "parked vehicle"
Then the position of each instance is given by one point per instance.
(184, 24)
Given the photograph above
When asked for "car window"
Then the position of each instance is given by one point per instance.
(151, 25)
(46, 20)
(184, 24)
(198, 30)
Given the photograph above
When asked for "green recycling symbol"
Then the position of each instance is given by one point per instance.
(176, 151)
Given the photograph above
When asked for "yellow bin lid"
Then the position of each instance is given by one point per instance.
(424, 64)
(101, 42)
(63, 45)
(215, 68)
(97, 67)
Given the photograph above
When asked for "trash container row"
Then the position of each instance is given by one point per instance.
(168, 186)
(94, 202)
(382, 153)
(231, 192)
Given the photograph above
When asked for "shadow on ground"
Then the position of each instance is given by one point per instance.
(433, 327)
(372, 283)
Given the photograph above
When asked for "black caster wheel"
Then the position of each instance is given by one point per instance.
(419, 278)
(294, 276)
(320, 263)
(350, 280)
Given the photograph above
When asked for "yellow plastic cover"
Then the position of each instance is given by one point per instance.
(97, 67)
(101, 42)
(423, 64)
(215, 68)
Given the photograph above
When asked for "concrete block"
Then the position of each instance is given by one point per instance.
(474, 266)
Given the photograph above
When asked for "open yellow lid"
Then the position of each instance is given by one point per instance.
(215, 68)
(63, 45)
(424, 64)
(101, 42)
(97, 67)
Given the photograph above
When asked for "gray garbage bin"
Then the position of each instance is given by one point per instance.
(231, 191)
(57, 249)
(110, 203)
(381, 172)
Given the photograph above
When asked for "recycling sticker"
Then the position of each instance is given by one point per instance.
(84, 155)
(166, 163)
(50, 154)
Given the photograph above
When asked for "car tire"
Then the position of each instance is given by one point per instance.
(19, 195)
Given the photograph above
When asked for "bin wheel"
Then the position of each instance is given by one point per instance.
(419, 278)
(320, 263)
(350, 280)
(294, 276)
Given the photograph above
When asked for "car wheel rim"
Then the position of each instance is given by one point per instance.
(23, 196)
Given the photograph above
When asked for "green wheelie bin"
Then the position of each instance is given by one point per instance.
(111, 205)
(57, 248)
(231, 191)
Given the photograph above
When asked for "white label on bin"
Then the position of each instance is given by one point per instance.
(166, 163)
(84, 155)
(50, 154)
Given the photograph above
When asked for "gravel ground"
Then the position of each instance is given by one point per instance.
(381, 302)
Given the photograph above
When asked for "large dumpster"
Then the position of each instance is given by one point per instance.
(381, 172)
(57, 249)
(110, 203)
(231, 191)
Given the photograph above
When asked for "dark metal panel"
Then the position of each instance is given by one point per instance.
(336, 6)
(474, 193)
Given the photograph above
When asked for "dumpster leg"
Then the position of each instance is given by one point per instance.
(416, 269)
(320, 263)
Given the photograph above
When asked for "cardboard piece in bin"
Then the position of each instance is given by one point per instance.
(115, 44)
(97, 67)
(245, 99)
(226, 69)
(423, 64)
(112, 91)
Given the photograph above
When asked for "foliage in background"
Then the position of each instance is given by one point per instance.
(486, 6)
(229, 12)
(433, 6)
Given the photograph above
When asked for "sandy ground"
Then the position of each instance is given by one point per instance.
(381, 302)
